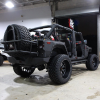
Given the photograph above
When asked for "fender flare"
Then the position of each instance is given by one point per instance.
(61, 47)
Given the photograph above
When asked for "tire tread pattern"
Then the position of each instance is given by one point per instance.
(89, 62)
(17, 69)
(53, 72)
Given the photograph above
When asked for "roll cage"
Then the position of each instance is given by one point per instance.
(55, 27)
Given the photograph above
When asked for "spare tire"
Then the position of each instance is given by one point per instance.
(17, 32)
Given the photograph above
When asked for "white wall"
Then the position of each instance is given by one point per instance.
(33, 16)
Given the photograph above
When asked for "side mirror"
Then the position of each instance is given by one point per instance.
(85, 41)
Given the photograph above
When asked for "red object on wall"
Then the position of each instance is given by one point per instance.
(71, 23)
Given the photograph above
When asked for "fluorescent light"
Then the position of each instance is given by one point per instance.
(9, 4)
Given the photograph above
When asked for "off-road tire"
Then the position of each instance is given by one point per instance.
(56, 70)
(1, 60)
(20, 32)
(21, 71)
(92, 62)
(24, 34)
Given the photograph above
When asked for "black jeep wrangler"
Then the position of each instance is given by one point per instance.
(53, 47)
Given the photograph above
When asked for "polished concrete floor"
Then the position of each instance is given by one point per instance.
(83, 85)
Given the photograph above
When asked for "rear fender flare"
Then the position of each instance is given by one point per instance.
(60, 47)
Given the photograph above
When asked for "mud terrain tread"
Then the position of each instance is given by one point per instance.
(53, 73)
(89, 62)
(17, 69)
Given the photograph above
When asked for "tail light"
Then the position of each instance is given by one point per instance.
(48, 42)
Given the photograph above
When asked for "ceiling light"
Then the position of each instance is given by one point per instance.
(9, 4)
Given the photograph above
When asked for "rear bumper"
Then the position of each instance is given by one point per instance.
(29, 61)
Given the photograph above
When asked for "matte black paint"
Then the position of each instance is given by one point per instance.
(43, 55)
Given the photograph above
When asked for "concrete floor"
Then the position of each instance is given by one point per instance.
(83, 85)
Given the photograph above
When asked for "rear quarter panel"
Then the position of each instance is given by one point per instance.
(50, 45)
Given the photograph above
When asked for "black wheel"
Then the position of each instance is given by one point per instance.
(60, 69)
(21, 71)
(1, 60)
(92, 62)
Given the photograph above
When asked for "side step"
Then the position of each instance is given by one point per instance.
(78, 62)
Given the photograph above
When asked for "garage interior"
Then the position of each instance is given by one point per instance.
(83, 84)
